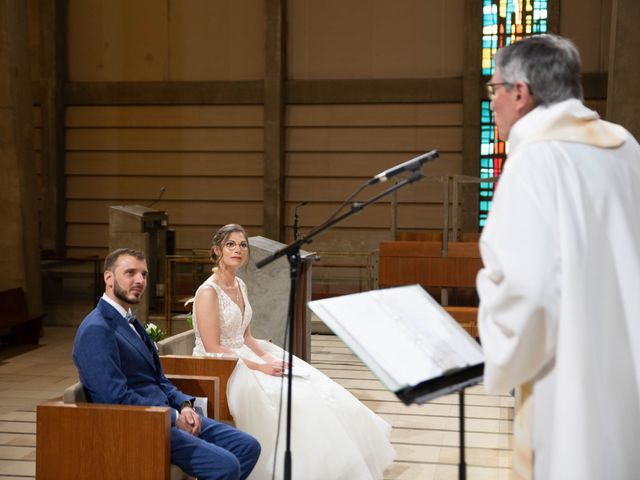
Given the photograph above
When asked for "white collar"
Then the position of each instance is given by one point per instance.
(115, 305)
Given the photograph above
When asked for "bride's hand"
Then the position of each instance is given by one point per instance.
(276, 369)
(268, 358)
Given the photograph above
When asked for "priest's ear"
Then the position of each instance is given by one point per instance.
(525, 101)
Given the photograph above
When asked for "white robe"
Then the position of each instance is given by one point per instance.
(560, 291)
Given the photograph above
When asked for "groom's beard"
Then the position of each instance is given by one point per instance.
(121, 294)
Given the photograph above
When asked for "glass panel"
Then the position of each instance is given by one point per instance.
(503, 22)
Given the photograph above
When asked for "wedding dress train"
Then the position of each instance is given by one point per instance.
(333, 435)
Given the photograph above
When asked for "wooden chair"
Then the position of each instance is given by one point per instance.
(176, 359)
(76, 439)
(411, 262)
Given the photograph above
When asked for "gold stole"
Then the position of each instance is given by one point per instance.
(522, 461)
(569, 127)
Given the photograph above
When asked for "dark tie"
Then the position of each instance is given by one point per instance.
(131, 318)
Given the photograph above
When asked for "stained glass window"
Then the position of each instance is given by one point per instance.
(503, 22)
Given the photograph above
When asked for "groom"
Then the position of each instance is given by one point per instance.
(117, 363)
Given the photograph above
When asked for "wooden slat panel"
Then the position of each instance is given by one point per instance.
(247, 92)
(145, 189)
(166, 139)
(337, 189)
(91, 239)
(225, 164)
(431, 114)
(83, 235)
(74, 441)
(165, 116)
(375, 91)
(374, 139)
(354, 164)
(180, 213)
(81, 252)
(374, 216)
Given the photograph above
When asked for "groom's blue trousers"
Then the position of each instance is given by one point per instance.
(220, 452)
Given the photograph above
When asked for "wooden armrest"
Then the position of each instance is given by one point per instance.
(200, 386)
(80, 440)
(204, 366)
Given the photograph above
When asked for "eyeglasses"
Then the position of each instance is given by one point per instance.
(492, 87)
(231, 245)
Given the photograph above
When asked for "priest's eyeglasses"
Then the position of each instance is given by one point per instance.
(231, 245)
(493, 87)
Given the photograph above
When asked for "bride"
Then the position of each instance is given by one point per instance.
(333, 435)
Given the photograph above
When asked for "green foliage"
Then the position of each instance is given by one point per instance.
(154, 332)
(190, 314)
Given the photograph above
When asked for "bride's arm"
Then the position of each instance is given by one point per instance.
(208, 319)
(255, 346)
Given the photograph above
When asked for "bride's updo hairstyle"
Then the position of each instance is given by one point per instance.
(221, 237)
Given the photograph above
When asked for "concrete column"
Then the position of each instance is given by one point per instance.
(53, 48)
(623, 95)
(20, 259)
(274, 101)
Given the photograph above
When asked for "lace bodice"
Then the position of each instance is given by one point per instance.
(232, 322)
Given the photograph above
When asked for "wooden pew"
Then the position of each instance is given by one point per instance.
(411, 262)
(15, 319)
(86, 440)
(176, 359)
(221, 368)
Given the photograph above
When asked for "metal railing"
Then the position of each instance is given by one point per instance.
(451, 206)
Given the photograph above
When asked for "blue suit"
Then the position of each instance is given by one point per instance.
(116, 366)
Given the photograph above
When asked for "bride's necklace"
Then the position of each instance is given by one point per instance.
(232, 289)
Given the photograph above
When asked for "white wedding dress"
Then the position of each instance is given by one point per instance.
(333, 435)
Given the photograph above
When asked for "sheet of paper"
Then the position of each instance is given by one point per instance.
(401, 333)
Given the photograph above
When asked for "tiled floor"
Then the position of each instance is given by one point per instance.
(425, 437)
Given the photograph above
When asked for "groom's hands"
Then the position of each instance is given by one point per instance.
(188, 420)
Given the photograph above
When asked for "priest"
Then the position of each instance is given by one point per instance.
(559, 292)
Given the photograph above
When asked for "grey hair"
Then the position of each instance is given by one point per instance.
(548, 64)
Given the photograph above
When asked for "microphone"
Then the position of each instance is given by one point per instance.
(162, 190)
(408, 166)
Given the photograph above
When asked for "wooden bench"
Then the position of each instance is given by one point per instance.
(77, 439)
(15, 319)
(411, 262)
(175, 356)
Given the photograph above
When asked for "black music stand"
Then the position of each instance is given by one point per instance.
(401, 327)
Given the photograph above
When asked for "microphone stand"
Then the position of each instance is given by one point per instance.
(292, 251)
(296, 221)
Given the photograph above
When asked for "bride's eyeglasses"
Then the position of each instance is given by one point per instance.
(231, 245)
